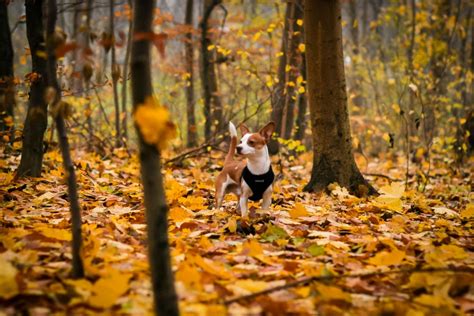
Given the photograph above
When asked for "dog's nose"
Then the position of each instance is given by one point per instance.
(239, 149)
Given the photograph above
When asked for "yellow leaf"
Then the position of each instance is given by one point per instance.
(107, 290)
(468, 212)
(301, 90)
(55, 233)
(440, 256)
(252, 248)
(429, 300)
(256, 36)
(328, 293)
(298, 211)
(388, 258)
(179, 214)
(232, 225)
(211, 267)
(299, 22)
(205, 243)
(391, 196)
(189, 275)
(251, 285)
(302, 47)
(287, 68)
(8, 284)
(154, 123)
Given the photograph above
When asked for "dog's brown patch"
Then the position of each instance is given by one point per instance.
(256, 141)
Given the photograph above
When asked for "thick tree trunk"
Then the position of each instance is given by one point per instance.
(7, 88)
(36, 118)
(188, 46)
(54, 89)
(333, 158)
(115, 73)
(125, 78)
(212, 102)
(155, 204)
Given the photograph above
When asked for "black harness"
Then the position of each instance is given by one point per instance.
(258, 183)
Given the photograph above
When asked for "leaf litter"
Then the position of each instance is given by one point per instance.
(218, 257)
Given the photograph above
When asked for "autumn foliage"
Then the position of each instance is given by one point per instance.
(395, 241)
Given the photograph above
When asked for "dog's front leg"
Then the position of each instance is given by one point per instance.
(243, 205)
(267, 198)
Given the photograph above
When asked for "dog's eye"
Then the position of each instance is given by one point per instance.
(251, 142)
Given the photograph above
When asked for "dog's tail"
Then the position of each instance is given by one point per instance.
(233, 143)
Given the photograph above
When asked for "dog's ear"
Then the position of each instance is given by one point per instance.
(267, 131)
(244, 129)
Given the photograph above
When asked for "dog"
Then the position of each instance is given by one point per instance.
(250, 179)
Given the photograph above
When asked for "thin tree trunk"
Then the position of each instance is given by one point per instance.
(7, 88)
(125, 78)
(302, 105)
(333, 159)
(36, 118)
(284, 96)
(77, 266)
(208, 73)
(87, 75)
(115, 73)
(188, 45)
(164, 293)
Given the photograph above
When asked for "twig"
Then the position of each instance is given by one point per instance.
(344, 276)
(379, 175)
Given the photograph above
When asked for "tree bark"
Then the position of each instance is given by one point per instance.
(301, 123)
(284, 96)
(188, 46)
(53, 86)
(212, 101)
(36, 119)
(333, 159)
(7, 87)
(164, 293)
(115, 74)
(125, 78)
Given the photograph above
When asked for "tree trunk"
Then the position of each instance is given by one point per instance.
(36, 119)
(188, 46)
(212, 101)
(164, 293)
(284, 96)
(302, 105)
(333, 159)
(7, 87)
(87, 75)
(125, 78)
(115, 74)
(77, 266)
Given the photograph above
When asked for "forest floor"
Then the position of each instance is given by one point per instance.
(367, 255)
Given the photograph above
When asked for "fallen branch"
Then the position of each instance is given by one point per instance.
(307, 280)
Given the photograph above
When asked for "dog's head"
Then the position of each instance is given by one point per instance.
(254, 143)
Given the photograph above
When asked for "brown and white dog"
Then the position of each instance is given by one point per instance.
(250, 179)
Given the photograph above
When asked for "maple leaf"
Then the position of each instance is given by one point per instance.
(298, 211)
(109, 288)
(391, 197)
(440, 256)
(154, 123)
(388, 258)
